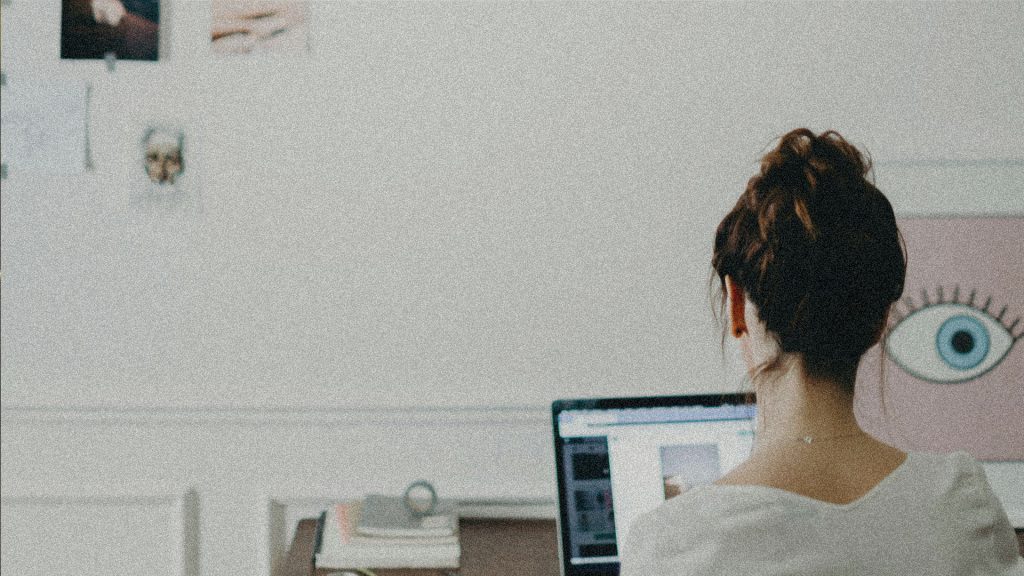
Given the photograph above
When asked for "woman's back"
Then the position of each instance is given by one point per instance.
(810, 262)
(932, 515)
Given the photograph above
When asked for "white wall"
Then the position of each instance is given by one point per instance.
(444, 213)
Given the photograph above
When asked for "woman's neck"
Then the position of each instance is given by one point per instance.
(793, 408)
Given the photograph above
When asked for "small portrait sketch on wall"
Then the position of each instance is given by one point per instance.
(165, 178)
(259, 27)
(127, 29)
(163, 154)
(953, 371)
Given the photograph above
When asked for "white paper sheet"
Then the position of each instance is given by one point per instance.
(44, 126)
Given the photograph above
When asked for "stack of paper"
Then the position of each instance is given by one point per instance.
(346, 542)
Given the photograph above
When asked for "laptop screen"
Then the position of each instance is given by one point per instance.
(617, 458)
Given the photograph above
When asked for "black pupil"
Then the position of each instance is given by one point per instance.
(963, 342)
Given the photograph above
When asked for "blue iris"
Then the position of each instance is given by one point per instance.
(962, 342)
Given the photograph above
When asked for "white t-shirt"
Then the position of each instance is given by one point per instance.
(934, 515)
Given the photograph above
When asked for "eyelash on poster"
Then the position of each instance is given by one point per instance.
(940, 298)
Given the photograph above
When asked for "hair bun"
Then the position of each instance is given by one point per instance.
(815, 246)
(796, 145)
(826, 154)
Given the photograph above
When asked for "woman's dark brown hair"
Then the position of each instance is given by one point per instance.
(814, 245)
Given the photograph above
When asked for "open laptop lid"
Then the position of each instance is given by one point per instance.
(616, 458)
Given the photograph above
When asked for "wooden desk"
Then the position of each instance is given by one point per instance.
(489, 548)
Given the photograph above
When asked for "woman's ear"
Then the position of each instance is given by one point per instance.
(737, 307)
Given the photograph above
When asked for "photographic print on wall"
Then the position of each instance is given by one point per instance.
(128, 29)
(259, 26)
(953, 375)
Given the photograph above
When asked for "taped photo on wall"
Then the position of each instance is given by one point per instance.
(44, 125)
(94, 29)
(265, 26)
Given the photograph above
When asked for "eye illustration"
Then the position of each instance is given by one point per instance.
(948, 341)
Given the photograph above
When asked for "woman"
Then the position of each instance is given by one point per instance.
(810, 261)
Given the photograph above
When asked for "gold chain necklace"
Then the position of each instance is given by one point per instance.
(812, 439)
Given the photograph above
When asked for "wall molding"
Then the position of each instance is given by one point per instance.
(266, 415)
(948, 162)
(112, 499)
(185, 523)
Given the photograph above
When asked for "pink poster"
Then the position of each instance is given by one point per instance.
(953, 374)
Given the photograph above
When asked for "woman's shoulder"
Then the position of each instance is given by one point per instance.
(702, 527)
(944, 475)
(949, 461)
(706, 513)
(968, 520)
(712, 511)
(958, 485)
(945, 493)
(921, 474)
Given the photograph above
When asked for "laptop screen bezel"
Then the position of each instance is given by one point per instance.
(559, 406)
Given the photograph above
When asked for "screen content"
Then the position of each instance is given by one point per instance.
(620, 463)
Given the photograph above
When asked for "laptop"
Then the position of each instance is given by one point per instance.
(616, 458)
